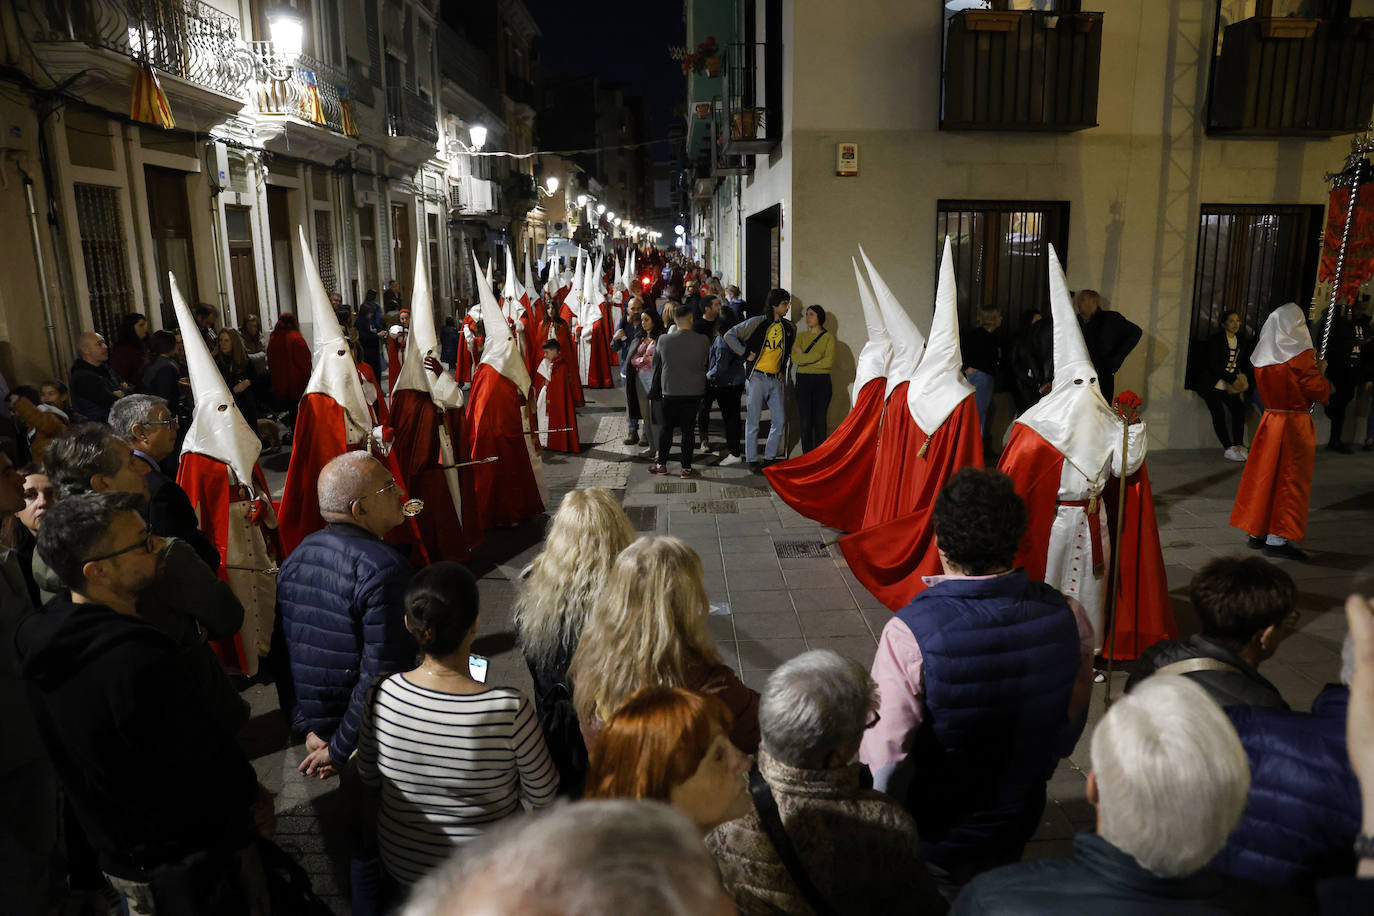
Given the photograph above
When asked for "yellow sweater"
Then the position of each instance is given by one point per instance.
(821, 357)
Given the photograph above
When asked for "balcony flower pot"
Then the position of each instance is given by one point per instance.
(712, 67)
(1287, 27)
(991, 20)
(744, 125)
(703, 110)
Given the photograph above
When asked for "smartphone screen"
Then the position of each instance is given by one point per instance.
(477, 667)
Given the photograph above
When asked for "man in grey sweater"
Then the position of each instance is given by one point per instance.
(680, 364)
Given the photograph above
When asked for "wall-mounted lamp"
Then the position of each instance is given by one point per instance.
(287, 28)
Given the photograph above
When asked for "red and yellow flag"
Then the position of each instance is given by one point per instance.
(311, 109)
(346, 113)
(149, 104)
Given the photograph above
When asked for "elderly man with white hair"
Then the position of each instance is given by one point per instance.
(1169, 781)
(817, 840)
(608, 857)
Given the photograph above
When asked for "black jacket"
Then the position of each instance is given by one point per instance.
(749, 335)
(1244, 686)
(170, 515)
(1217, 353)
(1110, 337)
(93, 390)
(149, 774)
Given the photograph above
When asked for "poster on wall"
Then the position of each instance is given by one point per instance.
(846, 159)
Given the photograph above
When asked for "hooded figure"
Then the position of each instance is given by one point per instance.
(1271, 504)
(427, 416)
(334, 418)
(894, 487)
(829, 484)
(892, 559)
(513, 307)
(1062, 457)
(219, 472)
(554, 407)
(510, 489)
(398, 335)
(604, 324)
(470, 347)
(531, 301)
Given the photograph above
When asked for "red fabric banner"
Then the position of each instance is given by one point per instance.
(1359, 252)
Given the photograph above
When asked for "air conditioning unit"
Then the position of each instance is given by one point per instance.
(365, 198)
(455, 199)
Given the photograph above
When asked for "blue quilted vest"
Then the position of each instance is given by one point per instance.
(1000, 658)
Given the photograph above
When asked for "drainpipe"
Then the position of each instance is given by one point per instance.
(53, 352)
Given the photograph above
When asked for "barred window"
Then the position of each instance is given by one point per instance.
(324, 251)
(100, 223)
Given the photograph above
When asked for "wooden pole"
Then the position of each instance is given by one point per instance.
(1114, 581)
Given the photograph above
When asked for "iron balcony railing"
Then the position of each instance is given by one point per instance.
(409, 114)
(186, 38)
(284, 89)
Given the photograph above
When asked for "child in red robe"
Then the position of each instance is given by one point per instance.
(555, 410)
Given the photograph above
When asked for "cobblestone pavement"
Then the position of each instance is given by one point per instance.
(778, 588)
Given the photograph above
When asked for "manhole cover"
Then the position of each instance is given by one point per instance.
(644, 518)
(743, 492)
(675, 488)
(715, 507)
(799, 550)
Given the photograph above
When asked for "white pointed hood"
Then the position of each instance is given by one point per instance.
(574, 297)
(489, 260)
(939, 384)
(424, 342)
(630, 268)
(591, 295)
(1284, 335)
(217, 428)
(877, 350)
(907, 341)
(334, 373)
(512, 291)
(1073, 417)
(621, 280)
(530, 289)
(500, 350)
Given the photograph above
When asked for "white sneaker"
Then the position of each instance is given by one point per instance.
(1232, 455)
(730, 459)
(1243, 451)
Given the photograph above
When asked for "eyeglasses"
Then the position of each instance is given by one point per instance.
(170, 421)
(873, 721)
(148, 543)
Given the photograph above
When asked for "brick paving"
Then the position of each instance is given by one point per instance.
(777, 589)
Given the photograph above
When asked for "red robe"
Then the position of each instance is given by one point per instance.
(288, 362)
(468, 360)
(563, 335)
(416, 421)
(1144, 613)
(507, 491)
(599, 355)
(829, 484)
(555, 406)
(606, 327)
(895, 486)
(892, 559)
(1276, 487)
(378, 406)
(206, 482)
(395, 356)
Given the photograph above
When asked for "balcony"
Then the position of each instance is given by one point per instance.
(1021, 70)
(466, 66)
(204, 66)
(413, 135)
(753, 98)
(1287, 77)
(299, 107)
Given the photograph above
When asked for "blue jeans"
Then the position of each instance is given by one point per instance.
(759, 390)
(983, 386)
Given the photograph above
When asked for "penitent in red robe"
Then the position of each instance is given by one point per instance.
(829, 484)
(416, 421)
(891, 559)
(1276, 487)
(554, 407)
(1144, 614)
(563, 334)
(599, 357)
(395, 358)
(378, 406)
(895, 486)
(507, 492)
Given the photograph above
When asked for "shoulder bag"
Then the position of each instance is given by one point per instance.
(771, 820)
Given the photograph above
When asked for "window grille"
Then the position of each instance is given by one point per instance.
(100, 223)
(324, 251)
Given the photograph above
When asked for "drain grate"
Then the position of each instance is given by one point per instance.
(715, 507)
(644, 518)
(675, 487)
(744, 492)
(801, 550)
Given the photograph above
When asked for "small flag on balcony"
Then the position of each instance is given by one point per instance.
(311, 109)
(149, 104)
(346, 113)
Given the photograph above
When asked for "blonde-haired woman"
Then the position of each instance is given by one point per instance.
(648, 628)
(556, 596)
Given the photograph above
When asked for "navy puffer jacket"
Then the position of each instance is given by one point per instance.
(342, 594)
(1303, 811)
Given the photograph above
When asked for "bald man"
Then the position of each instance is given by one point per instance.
(341, 594)
(94, 385)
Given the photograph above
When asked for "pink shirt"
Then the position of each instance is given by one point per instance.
(899, 671)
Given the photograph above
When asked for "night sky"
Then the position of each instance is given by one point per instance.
(621, 41)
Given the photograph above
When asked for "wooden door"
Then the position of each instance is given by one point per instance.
(242, 271)
(279, 227)
(169, 217)
(402, 256)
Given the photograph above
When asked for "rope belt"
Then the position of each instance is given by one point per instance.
(1092, 509)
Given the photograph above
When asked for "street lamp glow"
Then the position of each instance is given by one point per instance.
(616, 221)
(478, 133)
(680, 229)
(288, 32)
(600, 209)
(551, 183)
(582, 200)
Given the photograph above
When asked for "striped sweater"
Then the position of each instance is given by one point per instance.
(449, 766)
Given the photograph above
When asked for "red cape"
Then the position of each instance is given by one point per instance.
(507, 492)
(559, 408)
(829, 484)
(1276, 486)
(1144, 614)
(416, 420)
(288, 362)
(892, 559)
(599, 357)
(606, 327)
(894, 487)
(467, 360)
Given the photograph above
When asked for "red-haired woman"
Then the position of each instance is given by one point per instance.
(672, 745)
(288, 362)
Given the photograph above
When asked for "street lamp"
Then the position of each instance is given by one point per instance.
(551, 183)
(582, 200)
(680, 229)
(600, 209)
(478, 133)
(616, 221)
(288, 32)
